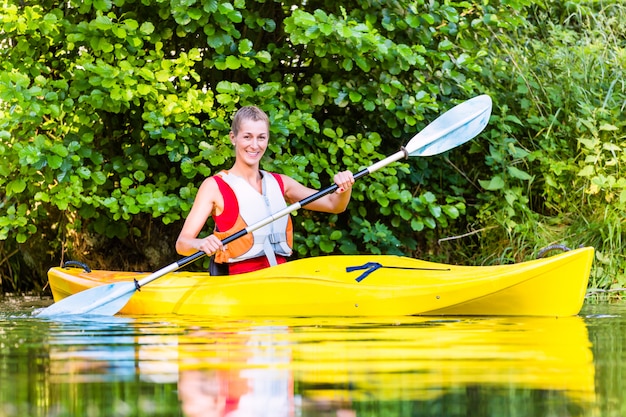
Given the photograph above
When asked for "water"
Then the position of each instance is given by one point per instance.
(403, 366)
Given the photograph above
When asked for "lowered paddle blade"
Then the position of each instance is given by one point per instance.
(108, 299)
(103, 300)
(453, 128)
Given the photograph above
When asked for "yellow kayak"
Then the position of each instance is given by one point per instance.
(356, 285)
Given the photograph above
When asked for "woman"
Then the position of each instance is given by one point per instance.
(244, 195)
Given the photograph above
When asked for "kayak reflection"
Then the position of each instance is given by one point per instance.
(332, 365)
(344, 366)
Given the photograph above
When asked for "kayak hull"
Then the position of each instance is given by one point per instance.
(356, 285)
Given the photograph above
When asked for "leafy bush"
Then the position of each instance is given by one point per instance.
(114, 111)
(557, 165)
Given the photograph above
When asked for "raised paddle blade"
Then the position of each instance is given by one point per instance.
(453, 128)
(104, 300)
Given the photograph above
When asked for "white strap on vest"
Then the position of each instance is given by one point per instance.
(268, 246)
(269, 253)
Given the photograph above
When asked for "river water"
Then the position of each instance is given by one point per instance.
(299, 367)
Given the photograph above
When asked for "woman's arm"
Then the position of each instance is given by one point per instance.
(208, 199)
(331, 203)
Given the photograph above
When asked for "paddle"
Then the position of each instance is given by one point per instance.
(455, 127)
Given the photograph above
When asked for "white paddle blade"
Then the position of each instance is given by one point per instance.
(453, 128)
(103, 300)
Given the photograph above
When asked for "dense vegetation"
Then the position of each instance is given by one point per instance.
(113, 111)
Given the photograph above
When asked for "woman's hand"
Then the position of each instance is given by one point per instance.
(209, 245)
(344, 181)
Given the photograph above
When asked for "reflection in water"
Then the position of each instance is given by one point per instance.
(335, 364)
(283, 368)
(409, 366)
(242, 373)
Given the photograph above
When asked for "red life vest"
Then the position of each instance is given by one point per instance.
(243, 206)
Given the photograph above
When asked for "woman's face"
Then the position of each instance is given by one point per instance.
(251, 141)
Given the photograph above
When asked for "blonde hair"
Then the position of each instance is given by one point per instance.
(248, 113)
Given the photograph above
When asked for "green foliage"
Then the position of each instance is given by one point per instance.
(556, 152)
(112, 112)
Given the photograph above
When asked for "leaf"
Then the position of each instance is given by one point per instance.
(355, 97)
(519, 174)
(232, 62)
(139, 176)
(264, 57)
(131, 24)
(435, 211)
(451, 211)
(245, 46)
(336, 235)
(430, 222)
(21, 237)
(210, 6)
(98, 177)
(102, 5)
(16, 186)
(317, 98)
(587, 171)
(327, 246)
(611, 147)
(54, 161)
(514, 119)
(147, 28)
(622, 197)
(445, 45)
(428, 198)
(362, 63)
(163, 76)
(102, 23)
(195, 14)
(608, 127)
(144, 89)
(83, 172)
(588, 143)
(496, 183)
(367, 147)
(59, 149)
(329, 132)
